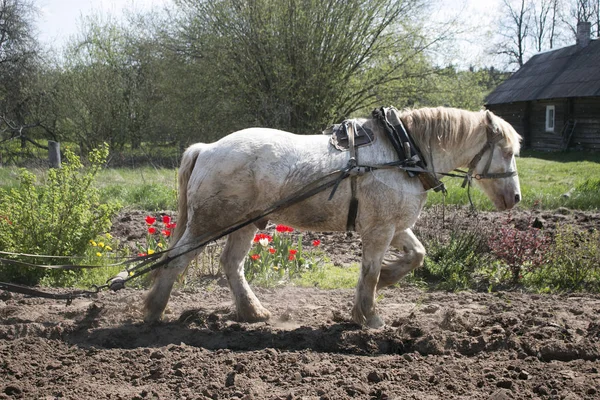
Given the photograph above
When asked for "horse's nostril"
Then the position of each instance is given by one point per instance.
(517, 198)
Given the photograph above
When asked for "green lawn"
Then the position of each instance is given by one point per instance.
(545, 179)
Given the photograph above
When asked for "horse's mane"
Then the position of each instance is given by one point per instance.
(453, 127)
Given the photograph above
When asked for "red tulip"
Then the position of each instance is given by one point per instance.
(259, 236)
(152, 230)
(150, 220)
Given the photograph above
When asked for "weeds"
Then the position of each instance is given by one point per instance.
(573, 263)
(519, 248)
(452, 264)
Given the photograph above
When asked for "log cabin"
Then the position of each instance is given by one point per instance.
(553, 100)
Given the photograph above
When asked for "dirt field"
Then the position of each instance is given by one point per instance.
(436, 345)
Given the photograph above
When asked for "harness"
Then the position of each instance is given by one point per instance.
(493, 137)
(410, 160)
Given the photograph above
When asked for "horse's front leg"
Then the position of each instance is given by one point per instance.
(232, 259)
(374, 246)
(412, 257)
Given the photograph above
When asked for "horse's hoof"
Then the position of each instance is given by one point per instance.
(258, 314)
(375, 322)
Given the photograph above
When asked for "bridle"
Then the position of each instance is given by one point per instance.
(493, 137)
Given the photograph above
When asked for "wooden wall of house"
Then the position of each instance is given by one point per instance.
(516, 115)
(529, 120)
(586, 111)
(540, 139)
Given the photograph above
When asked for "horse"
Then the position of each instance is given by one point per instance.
(243, 173)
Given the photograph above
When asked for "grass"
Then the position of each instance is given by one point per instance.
(548, 181)
(329, 276)
(150, 189)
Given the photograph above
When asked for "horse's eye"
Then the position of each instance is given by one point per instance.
(508, 154)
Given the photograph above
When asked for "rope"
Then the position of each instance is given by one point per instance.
(118, 282)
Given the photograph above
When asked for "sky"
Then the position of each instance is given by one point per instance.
(60, 19)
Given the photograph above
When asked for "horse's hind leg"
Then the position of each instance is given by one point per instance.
(247, 305)
(374, 246)
(163, 278)
(414, 253)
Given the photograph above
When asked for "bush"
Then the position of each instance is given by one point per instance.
(519, 247)
(573, 262)
(58, 217)
(451, 264)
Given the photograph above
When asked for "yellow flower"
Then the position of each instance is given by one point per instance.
(276, 268)
(98, 254)
(108, 236)
(93, 243)
(160, 245)
(108, 248)
(150, 252)
(100, 244)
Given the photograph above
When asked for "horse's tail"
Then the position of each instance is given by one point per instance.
(188, 161)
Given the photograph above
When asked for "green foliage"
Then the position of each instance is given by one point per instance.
(57, 218)
(307, 63)
(329, 276)
(573, 263)
(451, 87)
(452, 264)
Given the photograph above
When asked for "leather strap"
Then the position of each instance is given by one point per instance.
(353, 210)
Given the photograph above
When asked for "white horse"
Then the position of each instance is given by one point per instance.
(245, 172)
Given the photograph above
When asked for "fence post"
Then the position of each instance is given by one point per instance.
(54, 154)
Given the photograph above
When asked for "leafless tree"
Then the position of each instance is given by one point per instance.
(515, 30)
(544, 27)
(582, 11)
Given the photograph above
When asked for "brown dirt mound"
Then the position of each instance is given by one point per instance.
(437, 345)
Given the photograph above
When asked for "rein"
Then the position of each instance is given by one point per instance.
(410, 161)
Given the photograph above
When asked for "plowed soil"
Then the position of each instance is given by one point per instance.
(436, 345)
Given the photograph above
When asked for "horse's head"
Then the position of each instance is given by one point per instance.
(494, 167)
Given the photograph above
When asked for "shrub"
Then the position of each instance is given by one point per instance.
(58, 217)
(451, 264)
(573, 262)
(518, 248)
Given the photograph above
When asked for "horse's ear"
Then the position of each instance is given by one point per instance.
(491, 121)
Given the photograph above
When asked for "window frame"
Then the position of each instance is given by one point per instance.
(550, 122)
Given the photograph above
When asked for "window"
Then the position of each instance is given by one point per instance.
(549, 118)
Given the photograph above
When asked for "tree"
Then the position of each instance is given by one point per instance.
(582, 11)
(301, 64)
(544, 23)
(515, 30)
(19, 72)
(108, 85)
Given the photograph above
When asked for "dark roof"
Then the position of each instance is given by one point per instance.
(566, 72)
